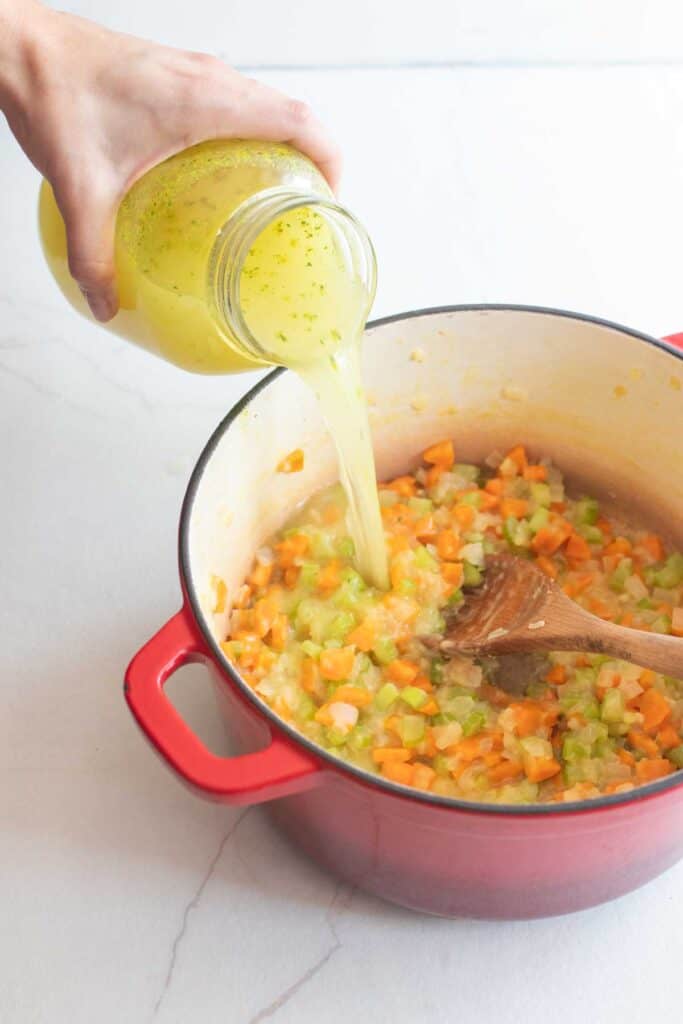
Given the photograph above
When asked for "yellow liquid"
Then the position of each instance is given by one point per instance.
(300, 295)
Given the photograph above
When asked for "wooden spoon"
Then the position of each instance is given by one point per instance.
(518, 609)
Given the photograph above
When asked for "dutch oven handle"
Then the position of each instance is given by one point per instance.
(278, 770)
(674, 339)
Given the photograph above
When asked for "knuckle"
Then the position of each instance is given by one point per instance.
(299, 113)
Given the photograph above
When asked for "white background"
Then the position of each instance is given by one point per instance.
(527, 152)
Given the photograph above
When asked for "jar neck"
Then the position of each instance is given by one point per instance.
(240, 232)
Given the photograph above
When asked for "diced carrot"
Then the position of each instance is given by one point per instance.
(647, 678)
(440, 454)
(547, 566)
(677, 622)
(220, 591)
(425, 529)
(310, 676)
(422, 683)
(430, 708)
(396, 772)
(363, 637)
(381, 755)
(292, 463)
(323, 715)
(423, 776)
(655, 709)
(464, 515)
(504, 771)
(538, 769)
(487, 501)
(250, 649)
(329, 577)
(350, 694)
(549, 539)
(557, 675)
(601, 609)
(263, 615)
(518, 456)
(650, 769)
(337, 663)
(627, 619)
(518, 508)
(278, 632)
(558, 506)
(453, 572)
(292, 548)
(643, 743)
(402, 671)
(397, 543)
(433, 475)
(577, 548)
(494, 486)
(448, 545)
(619, 546)
(528, 717)
(668, 738)
(654, 547)
(261, 573)
(537, 473)
(626, 756)
(291, 576)
(403, 485)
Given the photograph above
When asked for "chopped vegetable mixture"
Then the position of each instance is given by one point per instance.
(345, 664)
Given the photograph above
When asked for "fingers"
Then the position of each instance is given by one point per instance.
(90, 230)
(264, 113)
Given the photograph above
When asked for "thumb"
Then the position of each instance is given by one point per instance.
(90, 229)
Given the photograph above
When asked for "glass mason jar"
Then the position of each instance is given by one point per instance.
(229, 256)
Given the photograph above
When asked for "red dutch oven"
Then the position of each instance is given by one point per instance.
(606, 403)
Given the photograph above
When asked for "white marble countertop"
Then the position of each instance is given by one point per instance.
(125, 899)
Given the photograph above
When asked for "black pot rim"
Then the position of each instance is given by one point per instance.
(359, 774)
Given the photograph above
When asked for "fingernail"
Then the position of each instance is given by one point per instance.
(102, 307)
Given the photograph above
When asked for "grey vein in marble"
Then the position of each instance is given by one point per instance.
(193, 904)
(338, 904)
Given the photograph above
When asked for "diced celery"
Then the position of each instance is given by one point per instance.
(592, 534)
(613, 706)
(407, 588)
(676, 756)
(310, 649)
(386, 696)
(620, 575)
(414, 696)
(309, 574)
(322, 545)
(423, 560)
(472, 576)
(587, 511)
(440, 765)
(671, 574)
(489, 546)
(412, 729)
(540, 493)
(457, 597)
(662, 624)
(420, 506)
(360, 738)
(340, 626)
(335, 737)
(305, 708)
(509, 527)
(461, 707)
(472, 498)
(474, 723)
(346, 548)
(385, 650)
(466, 471)
(574, 750)
(539, 519)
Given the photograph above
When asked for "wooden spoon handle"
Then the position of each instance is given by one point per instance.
(651, 650)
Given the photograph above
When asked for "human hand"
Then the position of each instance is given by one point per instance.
(93, 110)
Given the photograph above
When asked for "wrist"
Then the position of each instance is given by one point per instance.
(19, 35)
